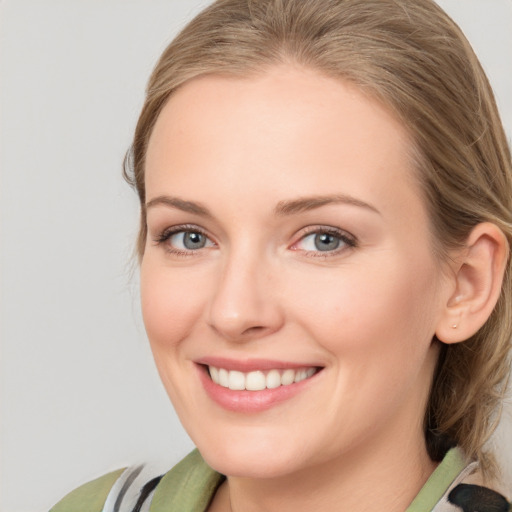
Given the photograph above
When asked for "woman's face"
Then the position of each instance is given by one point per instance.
(289, 256)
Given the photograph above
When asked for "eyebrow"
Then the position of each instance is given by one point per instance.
(180, 204)
(283, 208)
(304, 204)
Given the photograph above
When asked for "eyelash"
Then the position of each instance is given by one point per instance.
(348, 240)
(166, 234)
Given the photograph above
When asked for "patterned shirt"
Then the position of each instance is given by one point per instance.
(191, 484)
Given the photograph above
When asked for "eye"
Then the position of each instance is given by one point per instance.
(179, 240)
(188, 240)
(325, 240)
(321, 242)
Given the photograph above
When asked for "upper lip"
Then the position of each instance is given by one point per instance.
(249, 365)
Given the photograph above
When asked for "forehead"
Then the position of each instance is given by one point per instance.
(288, 128)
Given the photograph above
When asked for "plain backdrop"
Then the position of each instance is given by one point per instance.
(79, 394)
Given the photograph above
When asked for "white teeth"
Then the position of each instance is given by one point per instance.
(258, 380)
(300, 375)
(236, 380)
(273, 379)
(214, 373)
(255, 381)
(288, 377)
(224, 378)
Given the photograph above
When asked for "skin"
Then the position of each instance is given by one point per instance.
(259, 288)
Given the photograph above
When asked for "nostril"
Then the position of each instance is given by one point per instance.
(253, 330)
(242, 335)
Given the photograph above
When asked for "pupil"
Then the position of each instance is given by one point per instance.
(326, 242)
(193, 240)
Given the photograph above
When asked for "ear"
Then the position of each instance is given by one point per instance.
(477, 279)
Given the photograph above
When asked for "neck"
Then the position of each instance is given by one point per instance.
(369, 480)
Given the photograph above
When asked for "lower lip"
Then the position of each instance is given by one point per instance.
(250, 401)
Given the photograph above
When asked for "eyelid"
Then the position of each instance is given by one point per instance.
(178, 228)
(164, 235)
(348, 240)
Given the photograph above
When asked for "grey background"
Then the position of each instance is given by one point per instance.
(79, 394)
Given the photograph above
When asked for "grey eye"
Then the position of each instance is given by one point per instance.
(193, 240)
(189, 240)
(326, 242)
(321, 241)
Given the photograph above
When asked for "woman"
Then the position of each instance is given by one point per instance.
(326, 194)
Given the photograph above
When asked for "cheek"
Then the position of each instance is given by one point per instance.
(171, 305)
(378, 336)
(386, 309)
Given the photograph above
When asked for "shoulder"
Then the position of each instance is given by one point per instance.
(189, 485)
(467, 491)
(456, 486)
(470, 492)
(89, 497)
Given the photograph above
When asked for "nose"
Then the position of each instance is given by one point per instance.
(245, 305)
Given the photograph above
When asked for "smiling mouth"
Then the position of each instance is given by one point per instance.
(259, 380)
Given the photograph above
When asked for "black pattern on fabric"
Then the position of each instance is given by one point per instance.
(133, 475)
(475, 498)
(145, 492)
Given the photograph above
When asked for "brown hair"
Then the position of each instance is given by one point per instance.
(413, 58)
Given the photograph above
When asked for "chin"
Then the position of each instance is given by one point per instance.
(250, 465)
(248, 456)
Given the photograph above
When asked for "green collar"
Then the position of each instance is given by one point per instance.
(191, 485)
(439, 482)
(188, 487)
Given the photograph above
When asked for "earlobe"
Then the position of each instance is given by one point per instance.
(477, 284)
